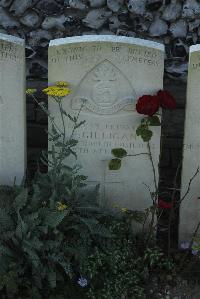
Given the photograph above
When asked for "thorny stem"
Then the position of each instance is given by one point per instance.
(137, 154)
(151, 227)
(153, 167)
(178, 204)
(189, 185)
(172, 211)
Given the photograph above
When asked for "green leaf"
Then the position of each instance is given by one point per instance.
(21, 200)
(154, 120)
(141, 129)
(6, 222)
(146, 135)
(54, 218)
(51, 278)
(21, 229)
(115, 164)
(119, 152)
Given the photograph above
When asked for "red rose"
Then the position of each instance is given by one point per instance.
(163, 204)
(167, 101)
(147, 105)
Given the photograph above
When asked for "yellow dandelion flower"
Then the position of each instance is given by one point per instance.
(62, 83)
(124, 210)
(31, 90)
(57, 91)
(61, 206)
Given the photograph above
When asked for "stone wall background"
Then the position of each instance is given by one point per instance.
(176, 23)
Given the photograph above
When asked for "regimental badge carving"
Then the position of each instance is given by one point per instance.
(105, 90)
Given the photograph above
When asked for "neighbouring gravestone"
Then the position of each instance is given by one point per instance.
(190, 207)
(109, 73)
(12, 109)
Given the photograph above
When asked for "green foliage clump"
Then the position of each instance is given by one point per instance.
(123, 268)
(43, 242)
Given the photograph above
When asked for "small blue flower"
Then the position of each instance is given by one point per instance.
(82, 282)
(195, 248)
(185, 245)
(195, 252)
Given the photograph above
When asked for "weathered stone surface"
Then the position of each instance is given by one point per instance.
(109, 73)
(38, 69)
(30, 19)
(137, 6)
(30, 52)
(193, 24)
(153, 4)
(114, 23)
(179, 28)
(39, 38)
(78, 4)
(3, 31)
(5, 3)
(12, 110)
(49, 7)
(19, 9)
(191, 9)
(158, 27)
(125, 33)
(97, 3)
(6, 20)
(177, 70)
(190, 207)
(141, 25)
(115, 5)
(180, 49)
(104, 32)
(55, 22)
(96, 18)
(172, 11)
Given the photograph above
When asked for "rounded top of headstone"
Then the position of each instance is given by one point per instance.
(12, 39)
(195, 48)
(107, 38)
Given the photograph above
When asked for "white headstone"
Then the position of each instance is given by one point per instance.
(110, 73)
(12, 109)
(190, 207)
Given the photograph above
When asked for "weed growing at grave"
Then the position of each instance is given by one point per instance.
(125, 262)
